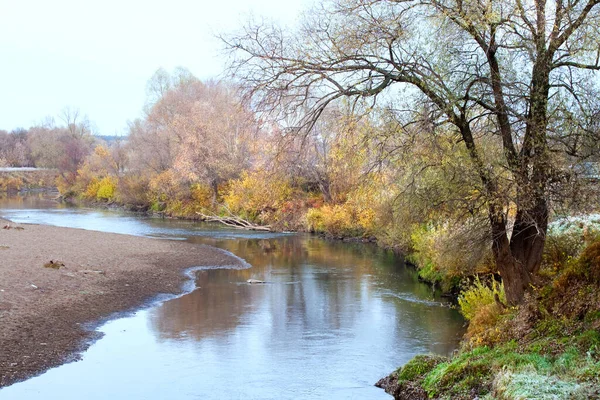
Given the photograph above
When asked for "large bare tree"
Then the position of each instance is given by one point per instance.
(521, 72)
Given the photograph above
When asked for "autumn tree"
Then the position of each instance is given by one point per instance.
(14, 151)
(217, 133)
(309, 158)
(61, 147)
(199, 131)
(516, 72)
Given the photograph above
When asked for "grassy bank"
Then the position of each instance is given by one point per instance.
(547, 348)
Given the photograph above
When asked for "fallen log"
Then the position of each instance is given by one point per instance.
(234, 222)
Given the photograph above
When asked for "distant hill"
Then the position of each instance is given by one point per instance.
(111, 138)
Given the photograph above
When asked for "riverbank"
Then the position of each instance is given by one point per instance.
(546, 348)
(25, 179)
(56, 284)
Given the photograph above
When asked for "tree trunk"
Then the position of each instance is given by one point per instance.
(529, 236)
(518, 259)
(326, 190)
(510, 270)
(214, 185)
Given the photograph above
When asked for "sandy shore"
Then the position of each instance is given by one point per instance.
(42, 310)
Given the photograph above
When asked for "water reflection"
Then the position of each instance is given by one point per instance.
(315, 289)
(330, 320)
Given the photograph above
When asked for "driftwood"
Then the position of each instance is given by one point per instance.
(234, 222)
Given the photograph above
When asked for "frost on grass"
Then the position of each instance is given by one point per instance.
(532, 385)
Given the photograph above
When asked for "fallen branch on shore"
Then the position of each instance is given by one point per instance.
(233, 221)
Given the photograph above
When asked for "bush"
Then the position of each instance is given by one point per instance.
(566, 239)
(585, 268)
(201, 196)
(446, 252)
(10, 183)
(132, 190)
(103, 189)
(340, 220)
(258, 195)
(472, 300)
(164, 187)
(590, 261)
(91, 191)
(106, 188)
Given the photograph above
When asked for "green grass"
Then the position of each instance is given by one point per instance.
(510, 371)
(418, 367)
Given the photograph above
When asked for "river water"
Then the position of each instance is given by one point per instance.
(333, 318)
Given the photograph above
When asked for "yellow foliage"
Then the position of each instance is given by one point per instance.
(10, 183)
(62, 185)
(452, 249)
(478, 296)
(132, 190)
(101, 189)
(164, 186)
(106, 188)
(484, 328)
(257, 193)
(478, 305)
(92, 189)
(341, 220)
(101, 151)
(201, 196)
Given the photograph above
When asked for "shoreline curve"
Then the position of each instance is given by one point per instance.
(49, 315)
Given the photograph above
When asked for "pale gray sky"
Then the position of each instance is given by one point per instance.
(98, 55)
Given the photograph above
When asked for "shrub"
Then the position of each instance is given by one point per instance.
(132, 190)
(201, 196)
(342, 220)
(566, 239)
(586, 268)
(101, 189)
(10, 183)
(164, 187)
(590, 261)
(445, 252)
(479, 295)
(106, 188)
(257, 195)
(91, 191)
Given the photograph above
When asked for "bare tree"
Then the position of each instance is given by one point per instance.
(519, 71)
(78, 125)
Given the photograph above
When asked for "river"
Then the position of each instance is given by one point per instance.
(331, 320)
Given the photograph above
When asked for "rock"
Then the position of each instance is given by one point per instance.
(402, 391)
(92, 271)
(54, 264)
(9, 226)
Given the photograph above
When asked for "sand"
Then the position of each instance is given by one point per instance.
(47, 314)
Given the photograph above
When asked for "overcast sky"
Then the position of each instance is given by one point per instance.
(98, 55)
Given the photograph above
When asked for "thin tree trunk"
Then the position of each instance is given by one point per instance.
(214, 185)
